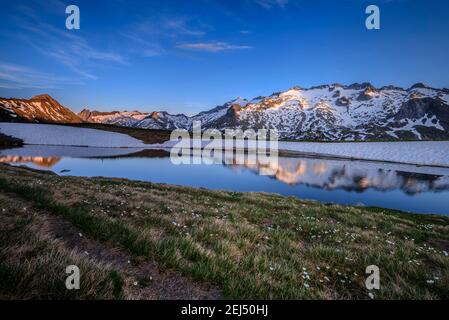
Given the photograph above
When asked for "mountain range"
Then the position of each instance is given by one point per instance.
(332, 112)
(41, 108)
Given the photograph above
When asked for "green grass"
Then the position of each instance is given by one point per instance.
(32, 264)
(99, 228)
(249, 245)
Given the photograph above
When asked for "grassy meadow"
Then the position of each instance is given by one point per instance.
(138, 240)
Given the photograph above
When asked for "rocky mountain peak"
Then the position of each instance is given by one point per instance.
(329, 112)
(40, 108)
(46, 98)
(360, 86)
(418, 85)
(43, 96)
(85, 114)
(155, 115)
(234, 110)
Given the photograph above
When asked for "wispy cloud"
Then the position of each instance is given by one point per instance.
(155, 36)
(179, 26)
(13, 76)
(71, 50)
(268, 4)
(161, 35)
(65, 47)
(83, 57)
(213, 46)
(142, 44)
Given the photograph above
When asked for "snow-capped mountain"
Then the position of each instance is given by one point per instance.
(355, 112)
(328, 112)
(120, 118)
(160, 119)
(42, 108)
(164, 120)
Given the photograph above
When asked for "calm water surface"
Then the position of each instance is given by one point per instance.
(404, 187)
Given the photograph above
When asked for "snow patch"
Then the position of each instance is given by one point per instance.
(430, 153)
(42, 134)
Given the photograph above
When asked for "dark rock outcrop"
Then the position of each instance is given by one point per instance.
(343, 102)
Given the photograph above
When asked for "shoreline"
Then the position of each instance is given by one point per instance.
(424, 153)
(212, 244)
(281, 152)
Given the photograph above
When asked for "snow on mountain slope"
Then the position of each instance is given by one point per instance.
(164, 120)
(159, 120)
(332, 112)
(121, 118)
(359, 111)
(42, 108)
(328, 112)
(208, 118)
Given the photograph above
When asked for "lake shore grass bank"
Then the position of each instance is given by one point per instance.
(139, 240)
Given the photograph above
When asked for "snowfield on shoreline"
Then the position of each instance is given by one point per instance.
(428, 153)
(425, 153)
(431, 153)
(55, 135)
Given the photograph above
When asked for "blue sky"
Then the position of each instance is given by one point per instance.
(188, 56)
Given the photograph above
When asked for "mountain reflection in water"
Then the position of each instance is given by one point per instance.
(353, 176)
(44, 162)
(326, 174)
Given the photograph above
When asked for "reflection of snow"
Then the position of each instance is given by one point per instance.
(430, 153)
(45, 162)
(442, 182)
(357, 175)
(329, 174)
